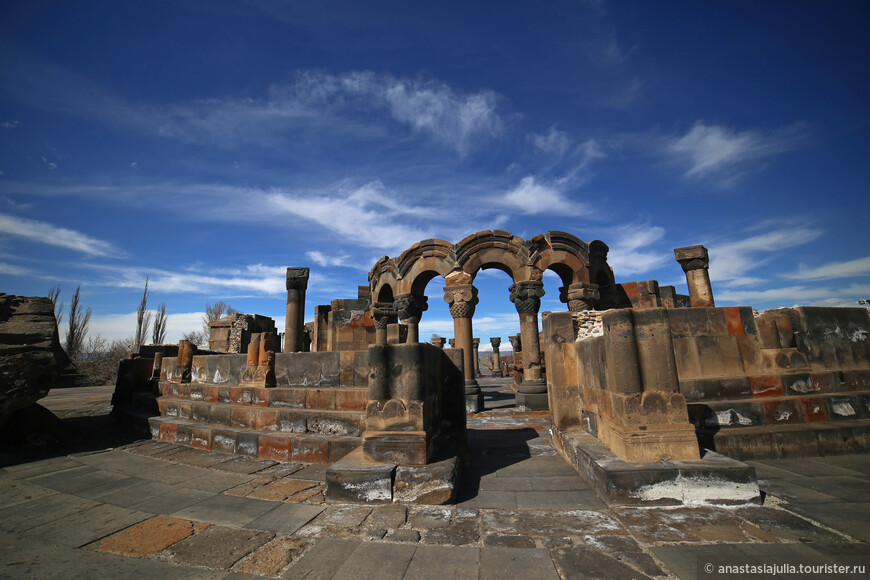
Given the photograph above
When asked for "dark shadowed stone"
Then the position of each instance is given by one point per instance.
(583, 562)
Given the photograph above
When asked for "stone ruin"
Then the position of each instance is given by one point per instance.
(654, 397)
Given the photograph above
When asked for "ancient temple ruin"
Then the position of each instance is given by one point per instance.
(654, 397)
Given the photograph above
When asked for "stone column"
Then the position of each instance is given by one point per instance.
(475, 343)
(383, 314)
(410, 308)
(495, 341)
(184, 364)
(452, 343)
(579, 296)
(297, 283)
(439, 341)
(532, 391)
(462, 299)
(695, 262)
(517, 346)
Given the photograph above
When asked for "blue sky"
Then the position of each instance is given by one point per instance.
(209, 145)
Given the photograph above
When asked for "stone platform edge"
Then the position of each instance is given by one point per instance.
(355, 479)
(715, 479)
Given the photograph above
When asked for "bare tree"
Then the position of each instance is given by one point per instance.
(78, 327)
(159, 333)
(197, 337)
(53, 295)
(143, 320)
(100, 359)
(216, 311)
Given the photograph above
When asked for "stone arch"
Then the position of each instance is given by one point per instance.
(493, 249)
(563, 253)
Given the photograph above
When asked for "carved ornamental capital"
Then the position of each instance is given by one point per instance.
(410, 307)
(495, 341)
(439, 341)
(526, 296)
(475, 343)
(452, 342)
(692, 258)
(383, 313)
(580, 296)
(462, 300)
(516, 343)
(297, 279)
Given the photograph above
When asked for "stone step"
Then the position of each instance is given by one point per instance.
(333, 398)
(284, 447)
(267, 419)
(780, 410)
(797, 384)
(784, 441)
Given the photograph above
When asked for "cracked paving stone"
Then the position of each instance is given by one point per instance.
(549, 523)
(282, 489)
(787, 526)
(387, 516)
(682, 524)
(584, 562)
(376, 534)
(508, 541)
(454, 536)
(149, 537)
(245, 489)
(429, 518)
(405, 536)
(217, 547)
(274, 556)
(343, 517)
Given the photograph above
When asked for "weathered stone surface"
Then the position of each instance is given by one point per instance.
(546, 523)
(433, 484)
(216, 547)
(149, 537)
(274, 556)
(31, 357)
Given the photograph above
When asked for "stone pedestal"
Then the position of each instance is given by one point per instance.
(462, 299)
(297, 283)
(695, 262)
(496, 356)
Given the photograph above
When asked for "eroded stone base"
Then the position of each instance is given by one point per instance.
(532, 401)
(714, 479)
(474, 403)
(355, 479)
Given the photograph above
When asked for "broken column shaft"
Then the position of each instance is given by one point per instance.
(294, 323)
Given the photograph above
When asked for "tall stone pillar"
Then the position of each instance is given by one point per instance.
(475, 342)
(383, 314)
(410, 308)
(439, 341)
(579, 296)
(695, 262)
(532, 391)
(495, 341)
(517, 358)
(297, 283)
(462, 299)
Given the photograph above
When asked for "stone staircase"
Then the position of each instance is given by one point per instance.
(311, 425)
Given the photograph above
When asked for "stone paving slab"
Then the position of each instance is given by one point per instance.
(217, 547)
(437, 563)
(172, 501)
(84, 527)
(285, 519)
(227, 510)
(517, 564)
(849, 517)
(559, 500)
(843, 488)
(374, 559)
(323, 560)
(16, 492)
(25, 516)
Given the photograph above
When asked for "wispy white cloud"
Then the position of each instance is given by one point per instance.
(13, 270)
(341, 261)
(725, 154)
(732, 260)
(633, 251)
(45, 233)
(555, 142)
(51, 166)
(533, 198)
(859, 267)
(800, 294)
(9, 124)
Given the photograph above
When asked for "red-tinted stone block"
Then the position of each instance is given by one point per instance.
(734, 321)
(309, 449)
(766, 386)
(161, 406)
(200, 438)
(783, 412)
(320, 399)
(240, 395)
(260, 397)
(274, 447)
(245, 417)
(168, 431)
(826, 382)
(210, 394)
(814, 410)
(267, 419)
(351, 400)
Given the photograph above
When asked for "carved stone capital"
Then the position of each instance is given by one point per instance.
(452, 342)
(439, 341)
(462, 300)
(580, 296)
(475, 343)
(692, 258)
(410, 307)
(526, 296)
(516, 343)
(495, 341)
(297, 279)
(599, 249)
(383, 313)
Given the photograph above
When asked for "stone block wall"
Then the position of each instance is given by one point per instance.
(346, 324)
(790, 382)
(232, 334)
